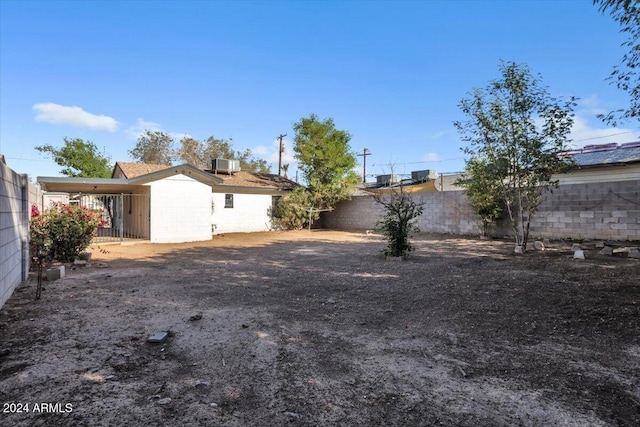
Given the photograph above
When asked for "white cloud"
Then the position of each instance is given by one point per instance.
(142, 125)
(270, 153)
(431, 157)
(74, 116)
(137, 130)
(438, 135)
(583, 134)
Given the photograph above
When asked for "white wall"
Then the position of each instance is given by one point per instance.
(249, 213)
(180, 210)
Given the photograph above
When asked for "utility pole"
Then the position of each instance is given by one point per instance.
(280, 153)
(364, 155)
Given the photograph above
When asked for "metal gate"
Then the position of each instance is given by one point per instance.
(124, 216)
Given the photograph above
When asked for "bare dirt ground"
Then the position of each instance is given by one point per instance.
(317, 328)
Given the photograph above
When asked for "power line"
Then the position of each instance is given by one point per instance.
(605, 136)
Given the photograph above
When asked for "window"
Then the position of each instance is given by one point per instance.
(228, 200)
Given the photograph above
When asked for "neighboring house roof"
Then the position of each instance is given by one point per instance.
(607, 154)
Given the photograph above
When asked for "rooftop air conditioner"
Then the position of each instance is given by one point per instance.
(225, 165)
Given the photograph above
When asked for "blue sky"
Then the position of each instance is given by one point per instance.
(389, 73)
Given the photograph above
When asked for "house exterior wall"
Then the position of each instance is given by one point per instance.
(604, 210)
(250, 213)
(16, 197)
(180, 210)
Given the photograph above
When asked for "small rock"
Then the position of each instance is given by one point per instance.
(538, 245)
(195, 317)
(517, 249)
(607, 250)
(80, 263)
(331, 301)
(599, 245)
(244, 326)
(634, 253)
(578, 254)
(213, 405)
(202, 384)
(164, 401)
(291, 414)
(621, 251)
(5, 352)
(158, 337)
(576, 247)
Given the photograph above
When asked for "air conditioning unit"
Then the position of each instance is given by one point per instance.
(387, 179)
(225, 165)
(424, 175)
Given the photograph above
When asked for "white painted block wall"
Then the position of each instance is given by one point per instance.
(14, 220)
(180, 210)
(250, 213)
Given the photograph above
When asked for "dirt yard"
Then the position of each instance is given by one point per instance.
(317, 328)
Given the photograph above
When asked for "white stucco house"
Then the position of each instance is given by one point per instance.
(181, 203)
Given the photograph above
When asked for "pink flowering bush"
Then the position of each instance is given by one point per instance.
(62, 232)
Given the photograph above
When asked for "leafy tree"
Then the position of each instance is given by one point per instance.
(200, 154)
(79, 159)
(325, 160)
(517, 130)
(625, 76)
(398, 221)
(483, 191)
(153, 147)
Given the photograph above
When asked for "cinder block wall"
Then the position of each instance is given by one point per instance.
(607, 210)
(14, 228)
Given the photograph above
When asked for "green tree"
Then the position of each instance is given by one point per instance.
(625, 76)
(79, 159)
(516, 128)
(200, 154)
(398, 221)
(325, 160)
(483, 191)
(153, 147)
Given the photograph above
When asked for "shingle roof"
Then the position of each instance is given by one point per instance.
(132, 170)
(250, 179)
(625, 153)
(238, 179)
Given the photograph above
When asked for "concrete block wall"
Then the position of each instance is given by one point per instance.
(250, 212)
(605, 210)
(180, 210)
(444, 212)
(14, 230)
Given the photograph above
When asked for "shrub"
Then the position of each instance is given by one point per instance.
(397, 221)
(292, 211)
(62, 232)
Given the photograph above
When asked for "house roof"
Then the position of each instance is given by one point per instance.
(256, 180)
(132, 170)
(241, 179)
(607, 154)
